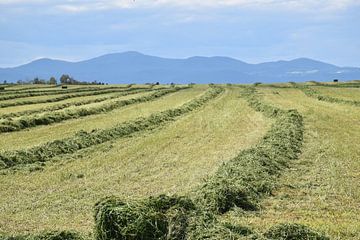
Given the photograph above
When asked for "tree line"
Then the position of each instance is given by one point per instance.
(64, 79)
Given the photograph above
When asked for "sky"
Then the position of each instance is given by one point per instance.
(249, 30)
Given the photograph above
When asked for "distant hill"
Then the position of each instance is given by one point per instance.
(134, 67)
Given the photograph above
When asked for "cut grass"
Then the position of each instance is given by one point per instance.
(322, 190)
(22, 109)
(352, 94)
(69, 103)
(84, 139)
(246, 179)
(311, 92)
(43, 134)
(26, 94)
(173, 160)
(75, 113)
(56, 98)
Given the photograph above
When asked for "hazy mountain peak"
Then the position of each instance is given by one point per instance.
(136, 67)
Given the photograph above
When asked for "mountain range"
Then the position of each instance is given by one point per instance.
(134, 67)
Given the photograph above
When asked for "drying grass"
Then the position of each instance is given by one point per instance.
(172, 160)
(43, 134)
(84, 139)
(311, 92)
(319, 190)
(322, 188)
(23, 109)
(69, 104)
(26, 94)
(74, 113)
(55, 98)
(244, 180)
(352, 94)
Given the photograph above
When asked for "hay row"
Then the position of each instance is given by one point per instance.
(337, 85)
(84, 139)
(244, 180)
(315, 94)
(20, 94)
(241, 182)
(64, 97)
(10, 88)
(70, 104)
(56, 117)
(181, 218)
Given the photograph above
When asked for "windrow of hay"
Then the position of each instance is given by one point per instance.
(15, 87)
(310, 92)
(162, 218)
(69, 104)
(336, 85)
(242, 181)
(56, 117)
(24, 94)
(84, 139)
(64, 97)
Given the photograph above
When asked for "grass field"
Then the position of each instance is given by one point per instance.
(236, 131)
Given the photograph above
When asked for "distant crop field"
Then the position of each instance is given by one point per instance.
(263, 161)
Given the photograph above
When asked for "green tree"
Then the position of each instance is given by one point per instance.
(52, 81)
(64, 79)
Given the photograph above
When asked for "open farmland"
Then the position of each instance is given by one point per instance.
(185, 162)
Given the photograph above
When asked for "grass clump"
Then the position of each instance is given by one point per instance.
(159, 217)
(242, 181)
(287, 231)
(56, 117)
(53, 235)
(84, 139)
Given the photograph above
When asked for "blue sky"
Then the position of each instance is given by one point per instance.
(252, 31)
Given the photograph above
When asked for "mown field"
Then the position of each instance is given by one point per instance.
(277, 161)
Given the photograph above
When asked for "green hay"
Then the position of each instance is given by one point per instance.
(244, 180)
(315, 94)
(159, 217)
(69, 104)
(63, 97)
(56, 117)
(287, 231)
(24, 94)
(84, 139)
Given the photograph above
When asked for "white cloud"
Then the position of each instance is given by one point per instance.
(99, 5)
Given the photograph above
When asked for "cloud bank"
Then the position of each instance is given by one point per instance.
(96, 5)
